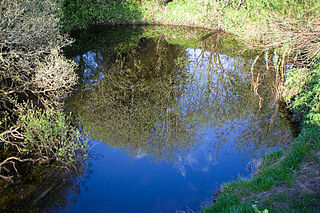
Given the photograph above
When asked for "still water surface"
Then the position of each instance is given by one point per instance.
(172, 113)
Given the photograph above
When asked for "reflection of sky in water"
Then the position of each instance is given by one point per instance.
(122, 184)
(92, 63)
(202, 69)
(203, 63)
(210, 76)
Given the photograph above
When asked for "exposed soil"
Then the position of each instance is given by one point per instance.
(306, 183)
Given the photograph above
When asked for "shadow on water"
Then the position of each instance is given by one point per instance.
(42, 189)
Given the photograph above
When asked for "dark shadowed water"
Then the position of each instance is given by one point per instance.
(172, 114)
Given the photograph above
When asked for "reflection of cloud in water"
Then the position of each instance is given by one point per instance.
(139, 154)
(198, 159)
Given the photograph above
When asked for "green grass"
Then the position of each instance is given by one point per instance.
(259, 23)
(281, 172)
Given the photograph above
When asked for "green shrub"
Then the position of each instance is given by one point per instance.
(48, 134)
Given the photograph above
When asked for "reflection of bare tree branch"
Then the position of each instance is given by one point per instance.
(151, 105)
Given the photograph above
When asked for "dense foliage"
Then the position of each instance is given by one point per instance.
(82, 13)
(34, 79)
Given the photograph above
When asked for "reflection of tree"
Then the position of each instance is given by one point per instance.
(155, 99)
(41, 189)
(242, 102)
(136, 105)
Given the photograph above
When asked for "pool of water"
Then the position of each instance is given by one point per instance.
(170, 113)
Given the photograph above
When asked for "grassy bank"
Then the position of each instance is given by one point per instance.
(268, 22)
(260, 22)
(288, 32)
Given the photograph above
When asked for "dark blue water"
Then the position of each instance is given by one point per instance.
(121, 184)
(171, 119)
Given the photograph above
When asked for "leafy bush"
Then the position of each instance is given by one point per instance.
(48, 134)
(82, 13)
